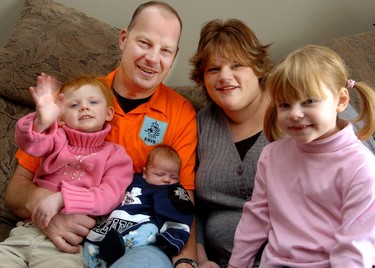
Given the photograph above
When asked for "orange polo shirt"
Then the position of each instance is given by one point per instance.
(166, 118)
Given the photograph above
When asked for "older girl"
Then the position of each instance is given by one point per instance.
(314, 194)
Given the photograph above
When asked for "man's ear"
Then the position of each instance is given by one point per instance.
(122, 38)
(343, 101)
(110, 113)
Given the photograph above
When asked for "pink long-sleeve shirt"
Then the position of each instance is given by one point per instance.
(91, 173)
(315, 203)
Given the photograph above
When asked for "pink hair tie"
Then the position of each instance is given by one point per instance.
(350, 84)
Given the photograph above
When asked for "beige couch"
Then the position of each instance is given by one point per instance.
(52, 38)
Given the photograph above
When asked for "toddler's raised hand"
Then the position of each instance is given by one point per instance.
(45, 96)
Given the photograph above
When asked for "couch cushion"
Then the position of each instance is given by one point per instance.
(50, 37)
(358, 53)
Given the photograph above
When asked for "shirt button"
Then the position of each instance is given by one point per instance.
(240, 169)
(243, 192)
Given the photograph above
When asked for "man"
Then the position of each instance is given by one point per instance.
(146, 113)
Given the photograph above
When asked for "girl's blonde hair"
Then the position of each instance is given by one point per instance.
(300, 76)
(81, 81)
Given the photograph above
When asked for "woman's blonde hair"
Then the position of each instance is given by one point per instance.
(300, 76)
(81, 81)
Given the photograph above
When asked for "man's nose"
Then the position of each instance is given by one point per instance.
(152, 55)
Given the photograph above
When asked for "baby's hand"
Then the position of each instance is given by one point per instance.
(47, 209)
(45, 96)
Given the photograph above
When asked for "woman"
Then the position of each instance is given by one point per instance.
(230, 64)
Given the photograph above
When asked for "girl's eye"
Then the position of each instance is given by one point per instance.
(94, 102)
(310, 101)
(283, 105)
(74, 105)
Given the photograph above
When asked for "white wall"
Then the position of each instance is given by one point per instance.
(286, 23)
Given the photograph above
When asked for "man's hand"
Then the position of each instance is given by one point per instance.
(67, 231)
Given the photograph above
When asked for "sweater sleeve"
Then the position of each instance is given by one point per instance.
(32, 142)
(355, 237)
(252, 229)
(104, 198)
(174, 211)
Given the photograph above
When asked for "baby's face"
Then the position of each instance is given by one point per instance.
(85, 109)
(162, 171)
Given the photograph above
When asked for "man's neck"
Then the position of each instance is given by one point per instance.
(128, 105)
(132, 92)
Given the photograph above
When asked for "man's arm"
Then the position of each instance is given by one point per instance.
(190, 250)
(22, 195)
(65, 231)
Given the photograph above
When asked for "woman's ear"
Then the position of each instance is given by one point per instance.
(343, 100)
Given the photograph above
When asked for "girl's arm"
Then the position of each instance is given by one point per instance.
(31, 129)
(355, 237)
(107, 192)
(249, 238)
(65, 231)
(45, 98)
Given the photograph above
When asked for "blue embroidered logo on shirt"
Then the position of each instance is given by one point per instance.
(153, 131)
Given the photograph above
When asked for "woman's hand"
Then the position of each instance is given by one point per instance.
(203, 260)
(208, 264)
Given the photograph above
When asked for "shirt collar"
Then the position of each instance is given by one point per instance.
(157, 102)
